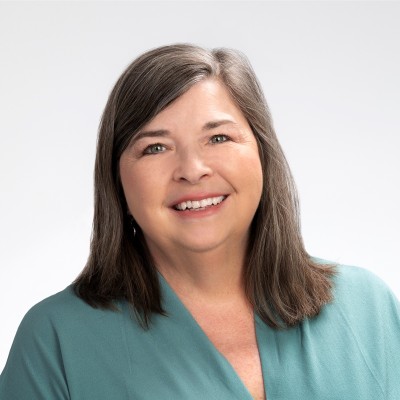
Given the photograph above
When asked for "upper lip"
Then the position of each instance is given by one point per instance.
(196, 197)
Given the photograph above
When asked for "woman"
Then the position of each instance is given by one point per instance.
(198, 285)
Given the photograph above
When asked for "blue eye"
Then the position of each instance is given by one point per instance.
(154, 149)
(219, 139)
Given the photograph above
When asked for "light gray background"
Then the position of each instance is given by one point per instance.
(330, 72)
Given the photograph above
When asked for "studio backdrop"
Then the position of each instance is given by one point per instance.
(330, 72)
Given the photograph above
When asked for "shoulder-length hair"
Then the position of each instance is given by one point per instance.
(283, 283)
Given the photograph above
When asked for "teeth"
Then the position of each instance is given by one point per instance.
(196, 204)
(205, 202)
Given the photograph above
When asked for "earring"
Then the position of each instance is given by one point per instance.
(132, 223)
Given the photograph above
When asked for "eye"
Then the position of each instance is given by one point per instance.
(154, 148)
(219, 139)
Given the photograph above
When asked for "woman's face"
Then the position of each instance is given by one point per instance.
(192, 177)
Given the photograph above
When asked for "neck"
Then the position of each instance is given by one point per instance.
(215, 274)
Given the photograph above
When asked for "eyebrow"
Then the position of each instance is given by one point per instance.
(164, 132)
(217, 123)
(155, 133)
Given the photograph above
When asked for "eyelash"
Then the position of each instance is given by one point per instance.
(149, 149)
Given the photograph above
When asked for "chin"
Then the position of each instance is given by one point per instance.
(203, 246)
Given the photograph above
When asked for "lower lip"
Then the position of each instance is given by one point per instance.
(201, 212)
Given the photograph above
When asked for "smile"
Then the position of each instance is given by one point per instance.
(199, 204)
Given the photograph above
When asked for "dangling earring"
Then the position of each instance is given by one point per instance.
(132, 223)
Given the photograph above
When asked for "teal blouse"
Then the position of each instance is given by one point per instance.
(65, 349)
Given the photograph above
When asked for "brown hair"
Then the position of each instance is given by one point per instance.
(283, 283)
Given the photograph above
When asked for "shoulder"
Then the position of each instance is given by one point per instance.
(34, 368)
(352, 282)
(61, 314)
(359, 288)
(369, 312)
(53, 349)
(64, 300)
(351, 277)
(59, 308)
(364, 305)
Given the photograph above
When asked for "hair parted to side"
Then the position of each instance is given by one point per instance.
(283, 283)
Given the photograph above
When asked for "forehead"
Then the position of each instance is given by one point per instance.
(208, 100)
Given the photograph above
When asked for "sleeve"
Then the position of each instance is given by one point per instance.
(34, 369)
(374, 313)
(391, 326)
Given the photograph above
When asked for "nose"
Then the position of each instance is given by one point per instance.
(191, 166)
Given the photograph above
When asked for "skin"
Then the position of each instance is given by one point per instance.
(201, 146)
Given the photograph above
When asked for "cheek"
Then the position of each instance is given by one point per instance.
(133, 185)
(249, 165)
(255, 183)
(258, 176)
(144, 188)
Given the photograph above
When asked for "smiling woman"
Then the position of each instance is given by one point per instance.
(198, 285)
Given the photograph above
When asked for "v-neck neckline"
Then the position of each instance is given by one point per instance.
(172, 301)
